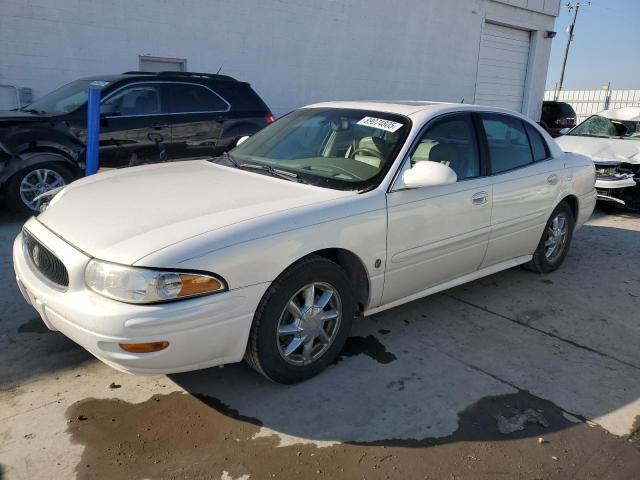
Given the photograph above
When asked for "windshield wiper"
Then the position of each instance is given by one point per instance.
(34, 110)
(274, 172)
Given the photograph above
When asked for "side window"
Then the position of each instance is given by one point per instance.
(508, 142)
(538, 145)
(451, 141)
(137, 100)
(187, 98)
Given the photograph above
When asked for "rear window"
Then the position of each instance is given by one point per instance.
(538, 145)
(189, 98)
(558, 109)
(241, 97)
(567, 110)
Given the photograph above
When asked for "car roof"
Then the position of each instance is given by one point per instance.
(185, 76)
(413, 108)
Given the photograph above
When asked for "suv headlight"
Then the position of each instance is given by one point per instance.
(609, 169)
(145, 285)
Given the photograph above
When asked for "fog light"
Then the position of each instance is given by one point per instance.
(144, 347)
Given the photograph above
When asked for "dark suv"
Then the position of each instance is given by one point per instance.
(145, 118)
(556, 116)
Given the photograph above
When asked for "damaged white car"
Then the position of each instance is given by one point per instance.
(612, 139)
(335, 211)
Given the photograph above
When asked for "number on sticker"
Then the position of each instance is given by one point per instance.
(380, 123)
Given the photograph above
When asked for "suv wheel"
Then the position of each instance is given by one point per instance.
(302, 322)
(25, 186)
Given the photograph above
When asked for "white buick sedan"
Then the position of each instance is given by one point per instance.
(337, 210)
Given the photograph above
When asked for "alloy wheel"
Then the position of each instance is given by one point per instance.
(556, 238)
(309, 324)
(37, 182)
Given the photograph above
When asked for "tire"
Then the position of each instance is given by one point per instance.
(267, 349)
(56, 173)
(552, 248)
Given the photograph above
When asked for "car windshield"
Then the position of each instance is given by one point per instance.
(339, 148)
(63, 100)
(597, 126)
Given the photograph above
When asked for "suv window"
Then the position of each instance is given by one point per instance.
(137, 100)
(188, 98)
(538, 145)
(451, 141)
(508, 142)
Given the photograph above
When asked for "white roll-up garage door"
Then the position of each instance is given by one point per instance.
(502, 67)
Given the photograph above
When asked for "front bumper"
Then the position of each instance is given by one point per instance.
(202, 332)
(616, 190)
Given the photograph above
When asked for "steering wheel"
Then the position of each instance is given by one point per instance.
(368, 151)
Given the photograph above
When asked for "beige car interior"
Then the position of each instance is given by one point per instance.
(460, 157)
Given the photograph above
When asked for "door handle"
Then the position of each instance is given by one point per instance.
(480, 198)
(553, 179)
(160, 126)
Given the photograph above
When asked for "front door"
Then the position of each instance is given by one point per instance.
(526, 183)
(137, 132)
(436, 234)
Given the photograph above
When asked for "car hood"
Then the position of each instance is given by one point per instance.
(16, 116)
(124, 215)
(608, 149)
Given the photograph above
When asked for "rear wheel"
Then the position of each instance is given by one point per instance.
(26, 185)
(555, 241)
(302, 322)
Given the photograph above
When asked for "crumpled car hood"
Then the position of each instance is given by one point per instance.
(17, 116)
(607, 149)
(124, 215)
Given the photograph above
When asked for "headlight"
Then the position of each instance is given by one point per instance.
(143, 285)
(607, 169)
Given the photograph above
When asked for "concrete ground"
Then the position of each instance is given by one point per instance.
(516, 375)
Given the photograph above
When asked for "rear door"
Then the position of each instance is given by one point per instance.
(526, 183)
(197, 113)
(436, 234)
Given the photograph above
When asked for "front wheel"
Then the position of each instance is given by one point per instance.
(555, 241)
(302, 322)
(25, 186)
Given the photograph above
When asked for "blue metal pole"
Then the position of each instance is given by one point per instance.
(93, 129)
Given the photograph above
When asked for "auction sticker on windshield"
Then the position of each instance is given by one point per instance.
(380, 123)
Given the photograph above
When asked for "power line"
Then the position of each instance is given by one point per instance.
(575, 6)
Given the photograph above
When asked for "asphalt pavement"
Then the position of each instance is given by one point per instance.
(516, 375)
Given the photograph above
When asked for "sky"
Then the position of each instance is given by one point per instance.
(606, 46)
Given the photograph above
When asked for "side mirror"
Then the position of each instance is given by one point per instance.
(109, 110)
(564, 131)
(241, 140)
(428, 174)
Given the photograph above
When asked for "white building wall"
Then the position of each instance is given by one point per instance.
(293, 52)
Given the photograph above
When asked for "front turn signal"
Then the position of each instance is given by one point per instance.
(144, 347)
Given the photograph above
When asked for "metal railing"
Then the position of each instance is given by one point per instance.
(589, 102)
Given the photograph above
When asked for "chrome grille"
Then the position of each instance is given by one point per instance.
(44, 261)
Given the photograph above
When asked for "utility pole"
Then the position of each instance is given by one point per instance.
(576, 8)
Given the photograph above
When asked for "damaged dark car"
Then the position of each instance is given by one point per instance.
(144, 118)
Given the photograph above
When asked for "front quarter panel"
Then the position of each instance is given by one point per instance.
(259, 250)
